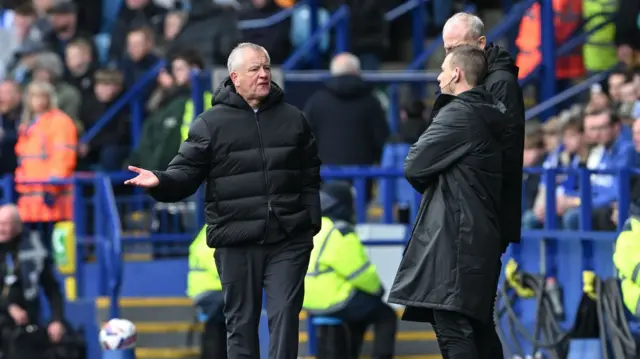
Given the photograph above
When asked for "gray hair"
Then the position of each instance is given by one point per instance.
(235, 57)
(345, 64)
(475, 26)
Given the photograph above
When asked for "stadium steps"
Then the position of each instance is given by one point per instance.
(164, 323)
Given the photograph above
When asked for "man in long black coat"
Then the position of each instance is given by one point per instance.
(450, 270)
(501, 80)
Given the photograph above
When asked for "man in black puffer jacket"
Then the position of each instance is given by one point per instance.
(502, 82)
(260, 163)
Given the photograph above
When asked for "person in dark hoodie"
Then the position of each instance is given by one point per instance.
(213, 26)
(346, 118)
(502, 82)
(449, 272)
(108, 149)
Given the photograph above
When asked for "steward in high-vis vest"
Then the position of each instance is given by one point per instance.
(627, 260)
(204, 287)
(341, 281)
(599, 51)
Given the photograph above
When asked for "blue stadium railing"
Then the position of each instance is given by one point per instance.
(98, 214)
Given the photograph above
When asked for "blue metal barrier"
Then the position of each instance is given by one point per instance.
(571, 92)
(112, 242)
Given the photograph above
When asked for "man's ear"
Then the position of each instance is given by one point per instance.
(233, 76)
(482, 42)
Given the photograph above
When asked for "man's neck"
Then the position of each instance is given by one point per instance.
(462, 88)
(255, 104)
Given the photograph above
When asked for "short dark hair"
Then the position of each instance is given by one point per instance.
(25, 9)
(472, 61)
(575, 123)
(613, 117)
(190, 56)
(628, 76)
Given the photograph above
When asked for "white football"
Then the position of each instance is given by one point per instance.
(118, 334)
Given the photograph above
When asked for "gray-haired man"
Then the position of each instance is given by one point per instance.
(259, 161)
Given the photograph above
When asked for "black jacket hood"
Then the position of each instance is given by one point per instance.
(348, 86)
(499, 59)
(226, 94)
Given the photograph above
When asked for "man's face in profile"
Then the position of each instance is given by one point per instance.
(447, 76)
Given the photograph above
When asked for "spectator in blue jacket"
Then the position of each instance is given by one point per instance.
(612, 152)
(572, 152)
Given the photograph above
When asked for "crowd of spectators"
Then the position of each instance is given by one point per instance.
(77, 60)
(602, 133)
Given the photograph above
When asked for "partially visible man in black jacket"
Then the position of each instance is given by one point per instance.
(449, 273)
(501, 81)
(260, 163)
(25, 267)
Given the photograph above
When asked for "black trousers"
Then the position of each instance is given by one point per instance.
(462, 337)
(213, 344)
(280, 269)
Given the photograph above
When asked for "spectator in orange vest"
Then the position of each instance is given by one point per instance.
(567, 19)
(46, 150)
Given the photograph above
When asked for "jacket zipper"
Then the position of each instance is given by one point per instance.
(266, 181)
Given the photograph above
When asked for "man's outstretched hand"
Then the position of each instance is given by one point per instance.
(144, 179)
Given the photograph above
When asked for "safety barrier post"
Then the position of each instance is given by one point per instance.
(314, 57)
(342, 35)
(548, 43)
(81, 231)
(197, 93)
(137, 117)
(624, 191)
(418, 35)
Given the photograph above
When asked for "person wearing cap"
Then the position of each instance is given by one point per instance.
(341, 281)
(64, 21)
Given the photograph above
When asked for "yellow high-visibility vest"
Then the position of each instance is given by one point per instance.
(339, 267)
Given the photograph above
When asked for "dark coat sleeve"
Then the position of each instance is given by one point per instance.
(189, 167)
(444, 143)
(310, 196)
(505, 88)
(51, 288)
